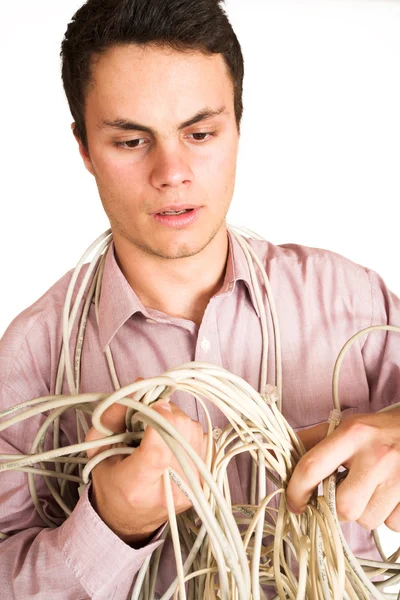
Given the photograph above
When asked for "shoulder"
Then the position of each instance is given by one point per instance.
(310, 262)
(49, 303)
(318, 280)
(31, 340)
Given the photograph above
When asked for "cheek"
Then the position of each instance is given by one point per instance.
(217, 169)
(119, 186)
(224, 163)
(114, 171)
(224, 171)
(114, 166)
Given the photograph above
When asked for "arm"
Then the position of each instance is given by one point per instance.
(88, 555)
(128, 491)
(82, 558)
(367, 444)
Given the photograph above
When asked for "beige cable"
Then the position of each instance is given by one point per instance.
(231, 550)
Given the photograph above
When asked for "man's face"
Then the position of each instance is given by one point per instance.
(163, 141)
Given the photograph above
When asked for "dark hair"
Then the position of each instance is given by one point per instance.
(199, 25)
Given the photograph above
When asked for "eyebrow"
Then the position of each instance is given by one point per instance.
(127, 125)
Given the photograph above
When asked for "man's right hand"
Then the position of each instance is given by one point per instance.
(128, 491)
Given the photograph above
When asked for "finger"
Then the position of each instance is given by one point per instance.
(192, 431)
(370, 491)
(152, 447)
(319, 462)
(380, 506)
(114, 419)
(152, 456)
(386, 495)
(155, 452)
(393, 520)
(355, 493)
(313, 435)
(153, 441)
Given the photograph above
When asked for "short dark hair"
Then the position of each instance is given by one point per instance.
(184, 25)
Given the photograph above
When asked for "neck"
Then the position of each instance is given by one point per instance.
(177, 287)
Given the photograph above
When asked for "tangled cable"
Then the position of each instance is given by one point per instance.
(222, 550)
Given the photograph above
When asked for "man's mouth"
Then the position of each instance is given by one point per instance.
(177, 218)
(175, 212)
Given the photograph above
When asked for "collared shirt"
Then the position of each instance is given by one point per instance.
(322, 299)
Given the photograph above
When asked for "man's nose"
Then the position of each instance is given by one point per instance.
(171, 167)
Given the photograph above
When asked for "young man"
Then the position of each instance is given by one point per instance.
(155, 88)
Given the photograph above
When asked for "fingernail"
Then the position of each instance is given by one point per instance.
(164, 405)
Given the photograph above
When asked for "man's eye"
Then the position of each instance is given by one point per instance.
(132, 143)
(200, 137)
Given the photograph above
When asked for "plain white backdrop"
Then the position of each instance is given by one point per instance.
(320, 147)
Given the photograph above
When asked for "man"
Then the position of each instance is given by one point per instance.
(154, 87)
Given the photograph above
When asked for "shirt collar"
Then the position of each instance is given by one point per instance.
(237, 269)
(118, 302)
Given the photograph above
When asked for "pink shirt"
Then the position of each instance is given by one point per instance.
(322, 300)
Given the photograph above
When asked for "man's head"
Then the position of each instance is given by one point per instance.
(155, 88)
(181, 25)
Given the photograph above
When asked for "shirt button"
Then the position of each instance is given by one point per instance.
(151, 321)
(205, 345)
(216, 433)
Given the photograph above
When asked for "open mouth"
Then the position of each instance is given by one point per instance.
(183, 217)
(174, 213)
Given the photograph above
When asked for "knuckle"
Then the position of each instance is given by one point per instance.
(163, 412)
(372, 517)
(386, 454)
(356, 427)
(159, 457)
(188, 427)
(114, 417)
(308, 465)
(368, 522)
(347, 511)
(393, 522)
(154, 453)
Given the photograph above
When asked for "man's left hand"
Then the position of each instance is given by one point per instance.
(368, 445)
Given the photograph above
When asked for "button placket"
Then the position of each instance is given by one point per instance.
(205, 345)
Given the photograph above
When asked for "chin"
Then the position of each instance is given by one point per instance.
(184, 251)
(181, 245)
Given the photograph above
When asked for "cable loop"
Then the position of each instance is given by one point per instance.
(232, 551)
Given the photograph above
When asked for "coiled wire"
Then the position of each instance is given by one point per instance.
(222, 550)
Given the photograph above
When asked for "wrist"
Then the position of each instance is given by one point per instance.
(134, 539)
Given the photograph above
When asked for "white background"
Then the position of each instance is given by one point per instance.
(320, 148)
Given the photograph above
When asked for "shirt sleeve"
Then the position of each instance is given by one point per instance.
(81, 557)
(381, 349)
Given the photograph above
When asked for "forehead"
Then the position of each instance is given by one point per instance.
(157, 85)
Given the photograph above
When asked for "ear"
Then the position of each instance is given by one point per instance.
(83, 151)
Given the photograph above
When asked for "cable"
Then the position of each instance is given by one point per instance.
(232, 551)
